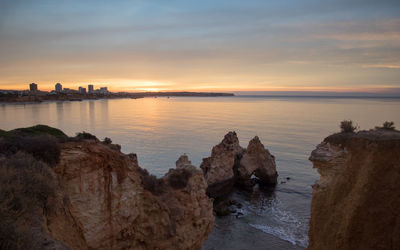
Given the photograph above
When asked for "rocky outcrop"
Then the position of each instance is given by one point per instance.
(114, 204)
(218, 169)
(230, 164)
(258, 161)
(355, 204)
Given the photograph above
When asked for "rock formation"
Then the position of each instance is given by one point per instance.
(115, 204)
(229, 163)
(355, 204)
(218, 168)
(258, 161)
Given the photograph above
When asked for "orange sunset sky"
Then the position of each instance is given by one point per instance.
(201, 45)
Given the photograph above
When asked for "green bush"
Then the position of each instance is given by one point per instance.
(107, 140)
(347, 126)
(85, 136)
(39, 130)
(42, 147)
(3, 133)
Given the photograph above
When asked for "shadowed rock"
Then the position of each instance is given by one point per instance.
(230, 164)
(218, 168)
(258, 161)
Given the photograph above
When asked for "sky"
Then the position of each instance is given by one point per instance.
(208, 45)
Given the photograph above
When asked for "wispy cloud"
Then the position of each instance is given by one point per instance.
(382, 66)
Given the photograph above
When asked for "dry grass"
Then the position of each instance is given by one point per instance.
(27, 191)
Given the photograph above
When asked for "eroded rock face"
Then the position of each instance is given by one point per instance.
(219, 166)
(112, 209)
(183, 161)
(218, 169)
(356, 202)
(230, 164)
(258, 161)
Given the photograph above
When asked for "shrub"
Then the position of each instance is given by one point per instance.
(178, 178)
(3, 133)
(388, 125)
(39, 130)
(347, 126)
(85, 136)
(151, 183)
(107, 140)
(42, 147)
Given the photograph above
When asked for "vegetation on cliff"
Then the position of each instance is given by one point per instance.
(27, 190)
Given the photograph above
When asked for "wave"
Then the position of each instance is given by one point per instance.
(285, 226)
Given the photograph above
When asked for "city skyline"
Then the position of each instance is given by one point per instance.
(58, 87)
(336, 46)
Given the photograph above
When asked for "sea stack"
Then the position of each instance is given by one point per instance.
(230, 164)
(355, 204)
(258, 161)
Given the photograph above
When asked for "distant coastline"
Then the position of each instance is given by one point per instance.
(394, 93)
(8, 96)
(325, 96)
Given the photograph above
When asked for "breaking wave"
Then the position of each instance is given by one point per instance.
(285, 226)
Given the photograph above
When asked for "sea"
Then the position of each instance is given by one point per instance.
(161, 129)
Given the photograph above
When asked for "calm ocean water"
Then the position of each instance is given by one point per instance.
(159, 130)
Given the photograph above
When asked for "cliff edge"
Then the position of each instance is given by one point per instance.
(81, 193)
(355, 204)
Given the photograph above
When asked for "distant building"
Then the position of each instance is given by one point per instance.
(90, 88)
(103, 90)
(58, 87)
(82, 90)
(33, 87)
(69, 91)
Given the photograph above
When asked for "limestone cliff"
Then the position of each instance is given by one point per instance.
(114, 204)
(355, 204)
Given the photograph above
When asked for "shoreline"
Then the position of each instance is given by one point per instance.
(45, 97)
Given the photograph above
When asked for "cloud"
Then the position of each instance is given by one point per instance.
(197, 44)
(382, 66)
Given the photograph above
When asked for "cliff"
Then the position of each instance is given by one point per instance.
(100, 198)
(355, 204)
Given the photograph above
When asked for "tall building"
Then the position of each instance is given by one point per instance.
(33, 87)
(58, 87)
(82, 90)
(90, 88)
